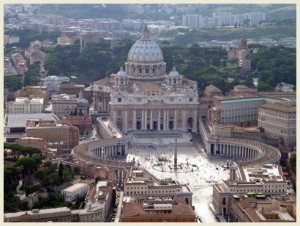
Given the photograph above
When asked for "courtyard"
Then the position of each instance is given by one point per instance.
(194, 168)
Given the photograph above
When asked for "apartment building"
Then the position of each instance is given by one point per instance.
(53, 133)
(278, 121)
(194, 21)
(259, 208)
(265, 179)
(53, 82)
(63, 104)
(157, 212)
(238, 110)
(24, 105)
(71, 88)
(62, 214)
(76, 190)
(141, 184)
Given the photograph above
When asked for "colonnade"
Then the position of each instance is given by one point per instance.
(109, 151)
(166, 119)
(243, 149)
(236, 151)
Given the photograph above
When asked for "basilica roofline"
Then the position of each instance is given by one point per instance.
(146, 87)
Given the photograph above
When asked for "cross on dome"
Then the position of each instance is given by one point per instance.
(145, 33)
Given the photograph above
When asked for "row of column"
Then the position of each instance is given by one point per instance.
(163, 120)
(234, 151)
(160, 119)
(109, 151)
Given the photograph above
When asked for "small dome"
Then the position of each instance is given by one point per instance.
(145, 50)
(121, 73)
(174, 73)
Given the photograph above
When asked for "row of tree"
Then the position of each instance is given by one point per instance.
(36, 175)
(275, 64)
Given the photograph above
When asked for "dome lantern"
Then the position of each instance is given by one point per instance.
(145, 33)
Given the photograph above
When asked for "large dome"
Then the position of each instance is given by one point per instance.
(145, 59)
(145, 50)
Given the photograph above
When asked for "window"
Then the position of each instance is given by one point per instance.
(119, 99)
(191, 99)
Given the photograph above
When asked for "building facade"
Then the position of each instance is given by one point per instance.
(32, 142)
(144, 96)
(266, 179)
(24, 105)
(53, 82)
(83, 123)
(157, 212)
(237, 110)
(140, 184)
(258, 208)
(76, 190)
(71, 88)
(63, 105)
(278, 121)
(62, 214)
(241, 53)
(192, 20)
(53, 133)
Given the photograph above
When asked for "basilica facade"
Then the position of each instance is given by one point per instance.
(143, 96)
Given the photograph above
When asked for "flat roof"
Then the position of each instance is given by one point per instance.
(75, 187)
(267, 99)
(41, 211)
(280, 107)
(260, 173)
(19, 120)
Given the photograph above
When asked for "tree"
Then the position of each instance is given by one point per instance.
(249, 82)
(262, 86)
(216, 61)
(75, 112)
(76, 170)
(11, 174)
(80, 113)
(27, 164)
(293, 162)
(60, 170)
(39, 174)
(12, 82)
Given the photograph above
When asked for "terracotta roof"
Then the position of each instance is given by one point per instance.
(149, 86)
(280, 107)
(134, 209)
(212, 88)
(105, 81)
(186, 81)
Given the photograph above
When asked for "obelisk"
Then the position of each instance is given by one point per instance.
(175, 154)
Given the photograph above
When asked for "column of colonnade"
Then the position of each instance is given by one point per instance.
(143, 120)
(109, 151)
(165, 119)
(151, 119)
(158, 120)
(134, 119)
(175, 120)
(235, 151)
(144, 127)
